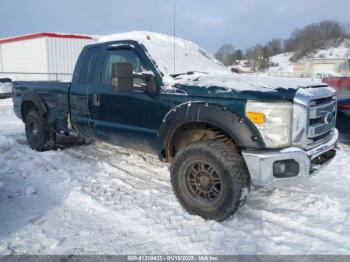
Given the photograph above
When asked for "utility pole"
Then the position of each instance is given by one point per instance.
(174, 36)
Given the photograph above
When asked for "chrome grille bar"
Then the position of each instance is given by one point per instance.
(322, 110)
(314, 116)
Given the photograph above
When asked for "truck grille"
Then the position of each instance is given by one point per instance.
(322, 119)
(314, 116)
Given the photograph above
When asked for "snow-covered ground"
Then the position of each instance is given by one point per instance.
(283, 63)
(336, 51)
(339, 50)
(101, 199)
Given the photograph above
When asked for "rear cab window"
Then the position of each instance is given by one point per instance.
(88, 65)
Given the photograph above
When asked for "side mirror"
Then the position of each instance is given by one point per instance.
(148, 85)
(5, 80)
(122, 76)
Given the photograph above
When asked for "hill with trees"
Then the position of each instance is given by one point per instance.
(303, 42)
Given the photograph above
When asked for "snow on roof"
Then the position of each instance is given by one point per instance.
(45, 34)
(188, 56)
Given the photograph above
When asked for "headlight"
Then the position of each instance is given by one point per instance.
(273, 121)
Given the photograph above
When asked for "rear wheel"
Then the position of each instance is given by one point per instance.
(210, 179)
(38, 135)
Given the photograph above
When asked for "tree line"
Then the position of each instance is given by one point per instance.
(302, 42)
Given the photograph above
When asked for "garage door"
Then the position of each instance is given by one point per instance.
(323, 68)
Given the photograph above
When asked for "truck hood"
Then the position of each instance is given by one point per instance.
(241, 86)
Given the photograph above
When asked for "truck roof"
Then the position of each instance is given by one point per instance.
(188, 56)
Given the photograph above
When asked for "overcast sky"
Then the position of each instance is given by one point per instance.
(208, 23)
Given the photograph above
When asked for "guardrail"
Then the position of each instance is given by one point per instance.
(36, 76)
(287, 74)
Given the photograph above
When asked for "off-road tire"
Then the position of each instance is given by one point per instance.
(38, 134)
(230, 168)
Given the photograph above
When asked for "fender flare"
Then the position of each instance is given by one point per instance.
(237, 127)
(36, 100)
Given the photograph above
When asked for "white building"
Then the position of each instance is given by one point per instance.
(312, 67)
(328, 65)
(41, 56)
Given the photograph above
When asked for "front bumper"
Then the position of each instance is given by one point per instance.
(261, 164)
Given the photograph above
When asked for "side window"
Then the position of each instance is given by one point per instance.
(88, 66)
(121, 56)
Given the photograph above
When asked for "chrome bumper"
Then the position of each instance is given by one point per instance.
(260, 164)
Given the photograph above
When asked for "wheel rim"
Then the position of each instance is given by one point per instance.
(203, 181)
(34, 130)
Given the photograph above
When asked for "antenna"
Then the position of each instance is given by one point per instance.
(174, 33)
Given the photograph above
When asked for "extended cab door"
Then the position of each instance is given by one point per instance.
(124, 117)
(80, 93)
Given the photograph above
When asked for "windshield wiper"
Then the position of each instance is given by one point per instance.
(188, 73)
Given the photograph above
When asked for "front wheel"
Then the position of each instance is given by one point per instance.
(38, 136)
(210, 179)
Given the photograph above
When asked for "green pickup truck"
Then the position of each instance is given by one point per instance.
(222, 133)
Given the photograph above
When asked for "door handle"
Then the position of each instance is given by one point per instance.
(96, 99)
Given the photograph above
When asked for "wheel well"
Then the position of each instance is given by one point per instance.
(26, 107)
(192, 132)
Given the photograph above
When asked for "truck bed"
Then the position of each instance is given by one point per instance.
(53, 94)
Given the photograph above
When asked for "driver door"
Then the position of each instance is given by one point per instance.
(120, 116)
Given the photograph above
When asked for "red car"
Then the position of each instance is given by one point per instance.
(342, 87)
(340, 84)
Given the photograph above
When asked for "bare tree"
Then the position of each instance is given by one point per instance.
(258, 57)
(275, 46)
(224, 54)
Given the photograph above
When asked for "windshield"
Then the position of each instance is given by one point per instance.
(188, 56)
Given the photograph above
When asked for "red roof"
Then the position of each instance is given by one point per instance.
(38, 35)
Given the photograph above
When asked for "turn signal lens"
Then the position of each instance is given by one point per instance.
(256, 118)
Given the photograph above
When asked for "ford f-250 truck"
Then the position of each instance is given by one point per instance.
(221, 132)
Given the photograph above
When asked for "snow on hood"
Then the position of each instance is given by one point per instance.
(188, 56)
(243, 82)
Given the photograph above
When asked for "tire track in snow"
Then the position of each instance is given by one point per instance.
(286, 223)
(157, 208)
(137, 168)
